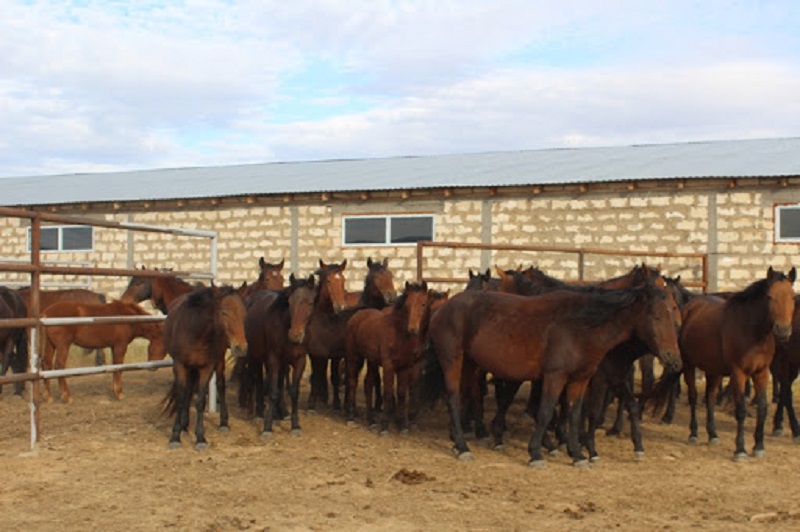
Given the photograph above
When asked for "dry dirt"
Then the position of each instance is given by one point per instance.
(103, 464)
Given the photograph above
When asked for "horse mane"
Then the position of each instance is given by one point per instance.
(200, 297)
(542, 278)
(603, 305)
(410, 287)
(753, 292)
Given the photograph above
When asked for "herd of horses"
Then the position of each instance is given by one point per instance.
(575, 343)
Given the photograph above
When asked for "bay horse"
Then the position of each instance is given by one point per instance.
(58, 338)
(200, 327)
(379, 290)
(733, 337)
(275, 328)
(13, 341)
(390, 340)
(78, 295)
(784, 368)
(559, 337)
(270, 277)
(161, 291)
(482, 281)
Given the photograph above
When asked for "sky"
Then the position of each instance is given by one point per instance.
(99, 86)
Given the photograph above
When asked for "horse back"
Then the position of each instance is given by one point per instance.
(701, 335)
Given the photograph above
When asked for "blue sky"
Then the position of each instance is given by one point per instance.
(109, 85)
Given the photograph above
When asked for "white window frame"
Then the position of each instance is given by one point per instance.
(387, 237)
(60, 240)
(778, 238)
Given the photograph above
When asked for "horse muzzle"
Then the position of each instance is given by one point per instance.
(297, 337)
(672, 362)
(338, 308)
(389, 297)
(782, 332)
(239, 351)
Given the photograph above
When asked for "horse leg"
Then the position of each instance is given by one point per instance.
(369, 387)
(294, 390)
(647, 368)
(737, 382)
(319, 382)
(388, 397)
(203, 378)
(353, 366)
(690, 376)
(403, 377)
(626, 396)
(452, 382)
(713, 384)
(257, 368)
(504, 396)
(551, 391)
(787, 400)
(181, 402)
(760, 380)
(118, 357)
(593, 411)
(336, 382)
(61, 363)
(777, 420)
(619, 420)
(273, 380)
(574, 404)
(672, 399)
(223, 403)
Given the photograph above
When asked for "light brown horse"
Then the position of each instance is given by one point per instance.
(199, 328)
(58, 338)
(734, 337)
(270, 277)
(161, 291)
(378, 291)
(389, 339)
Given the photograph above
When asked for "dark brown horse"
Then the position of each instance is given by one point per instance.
(13, 342)
(58, 338)
(275, 328)
(784, 368)
(161, 291)
(378, 291)
(559, 337)
(389, 339)
(270, 277)
(199, 328)
(734, 337)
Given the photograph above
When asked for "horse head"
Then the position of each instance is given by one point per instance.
(780, 293)
(331, 290)
(271, 275)
(380, 281)
(139, 289)
(301, 306)
(657, 325)
(415, 302)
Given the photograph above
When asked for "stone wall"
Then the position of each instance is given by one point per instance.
(735, 227)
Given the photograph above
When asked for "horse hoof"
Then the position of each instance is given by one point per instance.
(201, 446)
(384, 433)
(373, 426)
(296, 432)
(466, 456)
(404, 432)
(777, 433)
(581, 464)
(740, 457)
(796, 439)
(537, 464)
(692, 440)
(350, 423)
(638, 456)
(713, 441)
(555, 453)
(759, 453)
(562, 447)
(174, 445)
(267, 435)
(594, 459)
(500, 448)
(223, 428)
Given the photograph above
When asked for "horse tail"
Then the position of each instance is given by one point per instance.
(168, 406)
(433, 387)
(662, 390)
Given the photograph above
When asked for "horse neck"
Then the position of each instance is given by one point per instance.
(167, 290)
(750, 318)
(369, 299)
(621, 325)
(323, 301)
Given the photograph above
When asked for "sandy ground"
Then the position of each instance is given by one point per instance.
(103, 464)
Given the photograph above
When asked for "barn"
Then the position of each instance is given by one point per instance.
(734, 202)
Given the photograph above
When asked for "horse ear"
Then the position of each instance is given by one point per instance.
(280, 266)
(425, 285)
(770, 273)
(344, 265)
(369, 262)
(793, 274)
(262, 263)
(500, 272)
(311, 281)
(407, 285)
(321, 264)
(291, 279)
(471, 275)
(678, 279)
(385, 262)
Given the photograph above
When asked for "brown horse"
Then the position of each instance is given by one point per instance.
(378, 291)
(13, 342)
(199, 328)
(559, 337)
(389, 339)
(734, 337)
(275, 328)
(161, 291)
(270, 277)
(58, 338)
(784, 368)
(78, 295)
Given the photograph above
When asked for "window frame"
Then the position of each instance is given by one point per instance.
(388, 230)
(60, 239)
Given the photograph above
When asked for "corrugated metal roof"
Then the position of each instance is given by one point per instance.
(735, 158)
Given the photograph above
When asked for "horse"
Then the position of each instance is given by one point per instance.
(379, 290)
(275, 328)
(559, 337)
(58, 338)
(482, 281)
(161, 291)
(733, 337)
(13, 341)
(270, 277)
(388, 339)
(200, 327)
(78, 295)
(784, 370)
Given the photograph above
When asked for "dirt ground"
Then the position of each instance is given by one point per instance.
(104, 464)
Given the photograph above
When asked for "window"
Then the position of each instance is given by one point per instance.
(403, 229)
(64, 238)
(787, 223)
